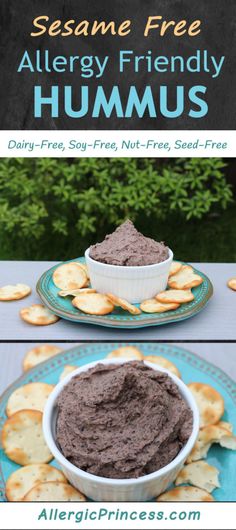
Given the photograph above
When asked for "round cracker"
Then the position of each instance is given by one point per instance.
(25, 478)
(31, 396)
(120, 302)
(38, 315)
(70, 276)
(153, 306)
(75, 292)
(199, 474)
(185, 493)
(232, 284)
(84, 267)
(165, 363)
(210, 403)
(186, 278)
(23, 440)
(128, 352)
(39, 355)
(68, 368)
(176, 296)
(14, 292)
(54, 492)
(175, 267)
(93, 304)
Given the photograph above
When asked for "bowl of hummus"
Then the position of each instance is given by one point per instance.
(121, 430)
(129, 265)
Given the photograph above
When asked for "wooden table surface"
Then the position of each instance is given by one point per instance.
(215, 322)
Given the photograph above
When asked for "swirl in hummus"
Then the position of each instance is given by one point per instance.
(122, 420)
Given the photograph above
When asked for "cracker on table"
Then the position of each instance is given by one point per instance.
(232, 283)
(14, 292)
(38, 315)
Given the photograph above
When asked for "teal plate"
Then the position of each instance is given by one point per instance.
(119, 318)
(192, 368)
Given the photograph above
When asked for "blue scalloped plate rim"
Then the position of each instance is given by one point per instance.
(119, 318)
(192, 368)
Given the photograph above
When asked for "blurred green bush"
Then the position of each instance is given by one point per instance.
(55, 208)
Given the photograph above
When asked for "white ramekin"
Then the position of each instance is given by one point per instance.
(105, 489)
(135, 284)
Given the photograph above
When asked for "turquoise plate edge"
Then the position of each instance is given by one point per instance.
(63, 308)
(192, 368)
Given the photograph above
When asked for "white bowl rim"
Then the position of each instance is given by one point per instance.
(129, 267)
(182, 455)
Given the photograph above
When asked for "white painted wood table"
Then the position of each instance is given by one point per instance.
(217, 321)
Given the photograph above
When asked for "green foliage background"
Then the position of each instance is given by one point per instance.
(55, 208)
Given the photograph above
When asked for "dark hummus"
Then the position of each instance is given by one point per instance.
(126, 246)
(122, 421)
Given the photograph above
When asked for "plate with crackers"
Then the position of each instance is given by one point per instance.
(65, 289)
(27, 469)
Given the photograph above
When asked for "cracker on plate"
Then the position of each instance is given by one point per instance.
(199, 474)
(54, 492)
(185, 493)
(75, 292)
(210, 435)
(38, 315)
(128, 352)
(153, 306)
(93, 304)
(68, 368)
(84, 267)
(70, 276)
(25, 478)
(175, 267)
(176, 296)
(165, 363)
(14, 292)
(120, 302)
(210, 403)
(225, 425)
(39, 355)
(186, 278)
(23, 440)
(30, 396)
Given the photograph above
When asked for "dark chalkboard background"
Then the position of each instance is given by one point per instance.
(218, 36)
